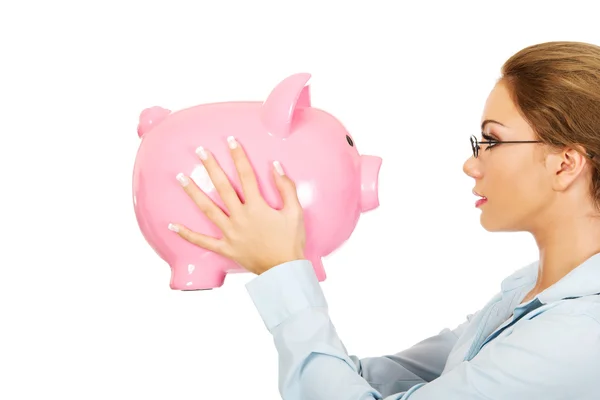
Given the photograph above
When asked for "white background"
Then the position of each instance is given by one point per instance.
(85, 307)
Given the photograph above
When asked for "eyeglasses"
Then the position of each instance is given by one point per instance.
(475, 143)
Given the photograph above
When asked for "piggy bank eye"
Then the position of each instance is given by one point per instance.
(349, 139)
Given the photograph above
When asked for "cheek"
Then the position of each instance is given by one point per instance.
(519, 185)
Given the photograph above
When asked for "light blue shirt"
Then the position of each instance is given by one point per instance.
(549, 348)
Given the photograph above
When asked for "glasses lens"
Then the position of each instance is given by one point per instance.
(474, 146)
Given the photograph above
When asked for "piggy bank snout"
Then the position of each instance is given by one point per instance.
(369, 182)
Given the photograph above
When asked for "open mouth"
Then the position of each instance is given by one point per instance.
(482, 199)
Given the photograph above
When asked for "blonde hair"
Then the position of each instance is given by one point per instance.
(556, 86)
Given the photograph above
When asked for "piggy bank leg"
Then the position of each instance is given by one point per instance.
(318, 267)
(202, 273)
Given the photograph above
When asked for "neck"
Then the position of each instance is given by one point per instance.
(564, 244)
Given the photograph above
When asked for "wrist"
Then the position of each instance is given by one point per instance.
(294, 257)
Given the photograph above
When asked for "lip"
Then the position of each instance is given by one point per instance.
(478, 194)
(480, 202)
(482, 199)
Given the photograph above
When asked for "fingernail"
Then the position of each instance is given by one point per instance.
(278, 168)
(182, 179)
(232, 142)
(201, 153)
(173, 228)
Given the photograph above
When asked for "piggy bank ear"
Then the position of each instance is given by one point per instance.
(151, 117)
(286, 98)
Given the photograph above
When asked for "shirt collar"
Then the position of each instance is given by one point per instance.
(521, 277)
(583, 280)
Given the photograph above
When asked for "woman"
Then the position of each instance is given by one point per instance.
(536, 170)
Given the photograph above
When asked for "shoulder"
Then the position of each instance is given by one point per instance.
(559, 344)
(563, 331)
(585, 310)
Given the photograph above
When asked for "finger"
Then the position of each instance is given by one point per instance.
(206, 242)
(244, 170)
(219, 179)
(204, 203)
(287, 188)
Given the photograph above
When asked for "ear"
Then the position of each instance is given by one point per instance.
(290, 95)
(151, 117)
(567, 165)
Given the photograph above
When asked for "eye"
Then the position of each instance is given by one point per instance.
(349, 140)
(493, 141)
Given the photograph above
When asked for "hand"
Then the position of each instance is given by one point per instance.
(255, 235)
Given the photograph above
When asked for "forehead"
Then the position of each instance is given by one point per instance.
(500, 107)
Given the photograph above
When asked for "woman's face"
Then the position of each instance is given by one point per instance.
(511, 176)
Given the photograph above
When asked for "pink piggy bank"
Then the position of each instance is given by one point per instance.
(335, 184)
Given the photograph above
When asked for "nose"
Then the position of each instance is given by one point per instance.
(471, 168)
(369, 182)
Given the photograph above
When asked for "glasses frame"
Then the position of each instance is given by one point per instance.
(475, 144)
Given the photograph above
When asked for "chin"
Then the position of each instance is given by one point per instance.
(490, 228)
(497, 224)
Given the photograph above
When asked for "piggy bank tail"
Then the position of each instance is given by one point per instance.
(151, 117)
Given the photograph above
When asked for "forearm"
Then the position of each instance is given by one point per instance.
(313, 361)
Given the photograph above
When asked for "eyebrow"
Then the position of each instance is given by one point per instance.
(490, 121)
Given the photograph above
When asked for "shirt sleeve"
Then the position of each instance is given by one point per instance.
(420, 363)
(555, 355)
(293, 308)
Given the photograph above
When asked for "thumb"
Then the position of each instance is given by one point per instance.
(286, 187)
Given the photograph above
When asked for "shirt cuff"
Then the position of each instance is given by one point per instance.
(285, 290)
